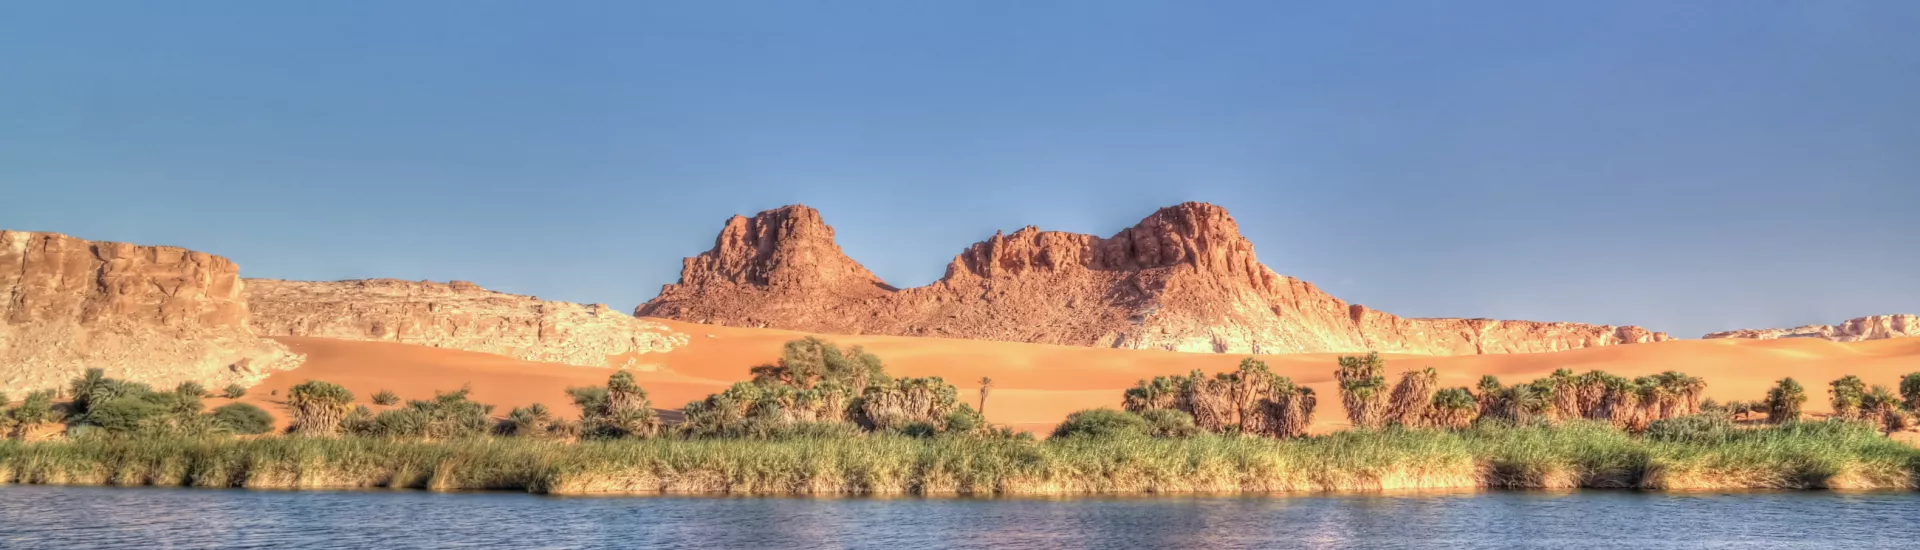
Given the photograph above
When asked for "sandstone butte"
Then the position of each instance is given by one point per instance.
(1872, 327)
(1182, 279)
(164, 315)
(154, 314)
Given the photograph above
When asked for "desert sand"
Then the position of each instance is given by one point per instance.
(1036, 385)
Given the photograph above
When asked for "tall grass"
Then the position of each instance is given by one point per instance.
(1574, 454)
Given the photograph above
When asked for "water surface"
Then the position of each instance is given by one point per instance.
(95, 517)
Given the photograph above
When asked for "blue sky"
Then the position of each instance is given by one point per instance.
(1687, 166)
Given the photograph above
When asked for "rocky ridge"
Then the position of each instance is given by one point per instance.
(1182, 279)
(154, 314)
(456, 315)
(1872, 327)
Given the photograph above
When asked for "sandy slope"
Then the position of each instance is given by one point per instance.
(1036, 385)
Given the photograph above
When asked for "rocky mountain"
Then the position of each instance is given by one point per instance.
(1182, 279)
(457, 315)
(1873, 327)
(154, 314)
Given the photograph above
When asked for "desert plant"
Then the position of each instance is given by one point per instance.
(1102, 424)
(193, 389)
(1847, 395)
(234, 391)
(529, 421)
(1453, 408)
(1363, 389)
(1784, 401)
(1411, 403)
(810, 361)
(1590, 394)
(1487, 394)
(1170, 423)
(82, 389)
(621, 409)
(1289, 410)
(32, 413)
(1163, 392)
(242, 418)
(1910, 391)
(1566, 393)
(386, 398)
(1524, 404)
(317, 407)
(894, 404)
(1881, 406)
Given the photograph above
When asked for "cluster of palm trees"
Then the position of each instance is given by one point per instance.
(1249, 400)
(1851, 399)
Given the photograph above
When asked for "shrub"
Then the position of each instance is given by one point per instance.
(192, 389)
(1784, 401)
(242, 418)
(530, 421)
(386, 398)
(1102, 424)
(34, 411)
(82, 389)
(620, 409)
(126, 415)
(317, 407)
(1363, 389)
(448, 414)
(888, 406)
(234, 391)
(1169, 423)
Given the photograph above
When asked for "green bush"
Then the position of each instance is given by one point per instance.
(1170, 423)
(193, 389)
(126, 415)
(1102, 424)
(234, 391)
(242, 418)
(386, 398)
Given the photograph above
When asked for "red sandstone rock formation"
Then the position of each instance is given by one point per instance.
(154, 314)
(456, 315)
(1182, 279)
(1873, 327)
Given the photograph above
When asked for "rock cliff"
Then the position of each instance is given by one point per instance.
(1182, 279)
(457, 315)
(154, 314)
(1873, 327)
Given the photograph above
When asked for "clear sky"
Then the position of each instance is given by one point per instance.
(1687, 166)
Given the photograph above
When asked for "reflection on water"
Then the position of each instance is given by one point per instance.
(82, 517)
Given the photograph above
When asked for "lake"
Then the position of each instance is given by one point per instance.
(97, 517)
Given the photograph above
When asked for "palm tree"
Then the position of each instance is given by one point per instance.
(1453, 408)
(1412, 398)
(1784, 401)
(1489, 394)
(986, 386)
(317, 407)
(1363, 389)
(1847, 395)
(1910, 391)
(1882, 407)
(1566, 393)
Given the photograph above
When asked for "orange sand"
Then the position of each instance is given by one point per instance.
(1037, 385)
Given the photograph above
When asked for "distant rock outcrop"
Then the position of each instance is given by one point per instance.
(154, 314)
(1182, 279)
(456, 315)
(1873, 327)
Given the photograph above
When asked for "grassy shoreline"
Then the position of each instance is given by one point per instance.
(1574, 455)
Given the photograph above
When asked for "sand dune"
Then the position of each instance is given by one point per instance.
(1036, 385)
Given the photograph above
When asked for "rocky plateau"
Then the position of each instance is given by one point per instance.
(1872, 327)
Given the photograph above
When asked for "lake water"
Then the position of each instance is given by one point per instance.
(90, 517)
